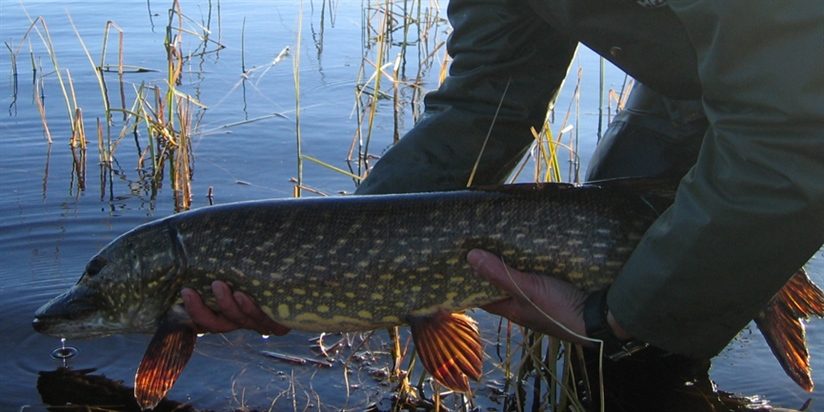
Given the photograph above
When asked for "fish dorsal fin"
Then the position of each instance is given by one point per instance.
(168, 353)
(780, 323)
(449, 346)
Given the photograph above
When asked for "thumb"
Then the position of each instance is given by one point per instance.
(493, 269)
(543, 303)
(523, 288)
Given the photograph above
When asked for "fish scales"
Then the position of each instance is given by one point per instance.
(358, 263)
(365, 262)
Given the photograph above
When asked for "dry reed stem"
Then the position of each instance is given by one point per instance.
(47, 42)
(296, 74)
(41, 108)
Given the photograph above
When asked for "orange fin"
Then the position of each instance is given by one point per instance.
(780, 323)
(449, 346)
(167, 355)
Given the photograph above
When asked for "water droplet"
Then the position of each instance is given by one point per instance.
(64, 353)
(265, 336)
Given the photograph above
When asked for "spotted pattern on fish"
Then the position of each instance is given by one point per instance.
(358, 263)
(365, 262)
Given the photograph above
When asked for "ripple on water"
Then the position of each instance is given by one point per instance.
(28, 352)
(29, 280)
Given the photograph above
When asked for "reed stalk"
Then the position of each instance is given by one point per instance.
(41, 107)
(96, 69)
(296, 73)
(13, 78)
(47, 42)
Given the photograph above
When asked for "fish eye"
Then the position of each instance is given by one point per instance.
(95, 265)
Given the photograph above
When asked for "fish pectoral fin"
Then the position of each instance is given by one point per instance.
(168, 353)
(449, 346)
(780, 323)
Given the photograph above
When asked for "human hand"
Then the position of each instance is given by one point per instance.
(237, 311)
(542, 303)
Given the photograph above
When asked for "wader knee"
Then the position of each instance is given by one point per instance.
(652, 136)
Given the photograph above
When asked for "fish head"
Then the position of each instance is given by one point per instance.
(126, 288)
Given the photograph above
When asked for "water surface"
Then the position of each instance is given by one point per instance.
(53, 218)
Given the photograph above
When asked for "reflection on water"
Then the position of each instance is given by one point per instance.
(60, 204)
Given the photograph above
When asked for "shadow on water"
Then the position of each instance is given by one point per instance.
(59, 204)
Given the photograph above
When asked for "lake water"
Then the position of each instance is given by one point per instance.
(55, 214)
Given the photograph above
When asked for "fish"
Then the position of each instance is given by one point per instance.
(360, 263)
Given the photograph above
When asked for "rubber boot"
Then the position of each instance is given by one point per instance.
(502, 55)
(653, 136)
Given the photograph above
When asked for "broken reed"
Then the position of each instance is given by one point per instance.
(161, 110)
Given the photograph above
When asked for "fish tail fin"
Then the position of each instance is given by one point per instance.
(781, 324)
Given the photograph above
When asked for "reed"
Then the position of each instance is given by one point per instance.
(165, 113)
(46, 40)
(296, 71)
(13, 77)
(396, 34)
(393, 37)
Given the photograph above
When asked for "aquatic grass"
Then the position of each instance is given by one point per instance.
(41, 107)
(78, 138)
(167, 114)
(46, 40)
(13, 78)
(96, 69)
(381, 22)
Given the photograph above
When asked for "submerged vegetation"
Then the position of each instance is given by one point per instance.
(403, 45)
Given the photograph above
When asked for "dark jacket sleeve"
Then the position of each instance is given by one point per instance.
(751, 211)
(649, 44)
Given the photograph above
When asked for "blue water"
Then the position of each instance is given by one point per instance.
(52, 219)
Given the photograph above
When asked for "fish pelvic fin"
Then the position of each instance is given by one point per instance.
(781, 324)
(449, 346)
(168, 353)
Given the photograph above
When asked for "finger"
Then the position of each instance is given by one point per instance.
(258, 319)
(226, 303)
(194, 307)
(538, 302)
(203, 317)
(515, 283)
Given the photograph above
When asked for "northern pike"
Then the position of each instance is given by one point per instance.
(358, 263)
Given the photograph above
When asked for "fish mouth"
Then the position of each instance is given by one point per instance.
(69, 315)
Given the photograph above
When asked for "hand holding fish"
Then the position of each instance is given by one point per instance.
(543, 303)
(237, 311)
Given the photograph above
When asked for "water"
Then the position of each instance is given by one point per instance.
(52, 218)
